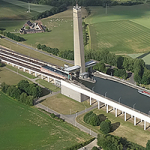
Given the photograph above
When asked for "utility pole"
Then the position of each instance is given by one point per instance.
(106, 8)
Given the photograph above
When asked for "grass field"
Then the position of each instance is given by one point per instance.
(33, 7)
(48, 85)
(126, 129)
(122, 30)
(23, 127)
(9, 77)
(61, 31)
(65, 105)
(30, 53)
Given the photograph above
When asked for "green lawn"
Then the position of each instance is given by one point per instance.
(9, 77)
(48, 85)
(123, 30)
(122, 128)
(65, 105)
(23, 127)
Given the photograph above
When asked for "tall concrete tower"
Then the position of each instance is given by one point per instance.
(78, 39)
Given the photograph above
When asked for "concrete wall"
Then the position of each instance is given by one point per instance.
(73, 94)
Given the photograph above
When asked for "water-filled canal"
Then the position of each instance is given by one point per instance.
(120, 92)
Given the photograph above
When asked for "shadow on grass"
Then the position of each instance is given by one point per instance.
(102, 117)
(141, 56)
(45, 91)
(115, 126)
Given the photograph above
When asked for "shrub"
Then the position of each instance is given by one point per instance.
(105, 126)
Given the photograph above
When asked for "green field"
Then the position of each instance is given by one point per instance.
(61, 31)
(121, 128)
(9, 77)
(13, 14)
(123, 30)
(23, 127)
(33, 7)
(65, 105)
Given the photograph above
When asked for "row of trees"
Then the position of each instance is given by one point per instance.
(23, 91)
(82, 2)
(67, 54)
(54, 51)
(12, 36)
(109, 142)
(50, 12)
(85, 33)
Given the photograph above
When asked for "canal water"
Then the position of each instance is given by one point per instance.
(120, 92)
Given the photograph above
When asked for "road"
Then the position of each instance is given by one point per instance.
(35, 49)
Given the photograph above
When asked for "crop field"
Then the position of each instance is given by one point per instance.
(123, 30)
(61, 31)
(121, 128)
(33, 7)
(13, 14)
(65, 105)
(24, 127)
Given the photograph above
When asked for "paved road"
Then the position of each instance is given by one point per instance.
(35, 49)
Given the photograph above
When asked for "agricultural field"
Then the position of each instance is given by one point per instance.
(123, 30)
(61, 31)
(24, 127)
(13, 14)
(121, 128)
(65, 105)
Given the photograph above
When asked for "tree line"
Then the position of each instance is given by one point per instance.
(50, 12)
(12, 36)
(24, 91)
(67, 54)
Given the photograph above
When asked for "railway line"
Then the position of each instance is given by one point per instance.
(31, 65)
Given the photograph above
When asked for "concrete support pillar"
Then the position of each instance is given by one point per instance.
(18, 67)
(24, 69)
(54, 81)
(41, 76)
(144, 125)
(90, 100)
(116, 113)
(131, 116)
(113, 108)
(48, 79)
(98, 104)
(134, 121)
(35, 74)
(29, 71)
(107, 108)
(125, 116)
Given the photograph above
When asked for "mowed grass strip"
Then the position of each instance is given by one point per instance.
(24, 127)
(122, 128)
(48, 85)
(65, 105)
(120, 37)
(30, 53)
(9, 77)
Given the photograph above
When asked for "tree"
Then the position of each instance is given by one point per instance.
(95, 148)
(148, 145)
(23, 97)
(39, 46)
(105, 126)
